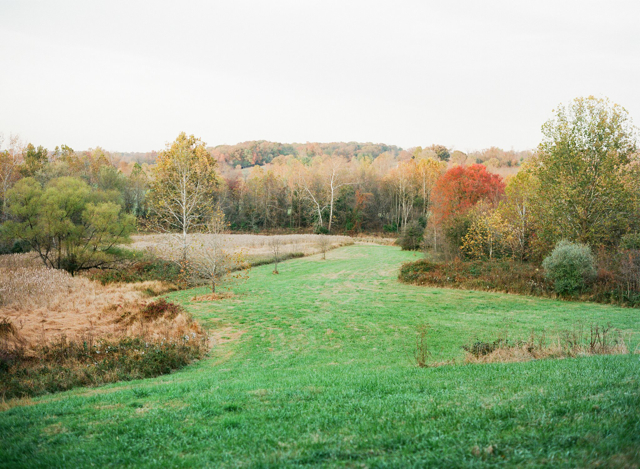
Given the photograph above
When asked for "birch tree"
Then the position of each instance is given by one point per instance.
(183, 185)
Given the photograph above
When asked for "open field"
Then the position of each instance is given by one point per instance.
(314, 368)
(254, 247)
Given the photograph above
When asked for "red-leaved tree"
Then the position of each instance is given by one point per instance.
(460, 188)
(455, 193)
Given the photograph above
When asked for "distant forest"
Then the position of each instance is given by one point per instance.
(260, 152)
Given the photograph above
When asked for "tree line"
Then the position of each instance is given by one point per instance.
(581, 184)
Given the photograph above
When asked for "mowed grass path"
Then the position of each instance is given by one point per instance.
(314, 367)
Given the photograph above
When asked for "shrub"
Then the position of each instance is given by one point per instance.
(411, 237)
(160, 308)
(65, 364)
(140, 271)
(630, 241)
(390, 228)
(422, 352)
(570, 266)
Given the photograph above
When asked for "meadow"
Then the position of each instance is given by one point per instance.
(315, 367)
(255, 248)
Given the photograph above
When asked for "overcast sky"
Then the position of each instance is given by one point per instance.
(131, 75)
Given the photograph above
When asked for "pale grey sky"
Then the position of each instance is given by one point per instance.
(130, 75)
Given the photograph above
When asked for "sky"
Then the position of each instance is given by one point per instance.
(131, 75)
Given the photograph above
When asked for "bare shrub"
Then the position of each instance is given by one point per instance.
(324, 244)
(275, 243)
(422, 353)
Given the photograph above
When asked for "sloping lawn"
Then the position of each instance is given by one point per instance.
(314, 367)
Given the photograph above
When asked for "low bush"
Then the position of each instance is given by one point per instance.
(137, 339)
(140, 270)
(617, 283)
(271, 260)
(411, 237)
(65, 364)
(571, 266)
(159, 308)
(630, 241)
(504, 276)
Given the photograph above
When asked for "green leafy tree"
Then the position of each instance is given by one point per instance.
(583, 170)
(70, 226)
(34, 160)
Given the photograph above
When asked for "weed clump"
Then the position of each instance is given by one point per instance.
(161, 308)
(579, 341)
(422, 353)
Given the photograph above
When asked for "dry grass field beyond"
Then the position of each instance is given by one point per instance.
(254, 247)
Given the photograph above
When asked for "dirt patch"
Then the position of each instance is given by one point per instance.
(214, 297)
(224, 335)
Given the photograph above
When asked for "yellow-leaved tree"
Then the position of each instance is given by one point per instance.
(182, 189)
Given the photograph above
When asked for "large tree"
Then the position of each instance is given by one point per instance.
(182, 189)
(584, 169)
(70, 226)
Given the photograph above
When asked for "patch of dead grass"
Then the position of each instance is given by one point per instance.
(214, 297)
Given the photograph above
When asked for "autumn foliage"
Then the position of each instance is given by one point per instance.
(461, 188)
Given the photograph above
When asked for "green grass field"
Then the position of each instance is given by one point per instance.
(314, 368)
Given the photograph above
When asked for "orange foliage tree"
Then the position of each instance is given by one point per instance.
(461, 188)
(455, 193)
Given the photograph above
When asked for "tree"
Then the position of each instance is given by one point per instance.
(520, 212)
(411, 237)
(70, 226)
(583, 165)
(459, 158)
(212, 257)
(324, 243)
(454, 194)
(135, 191)
(275, 244)
(34, 160)
(488, 235)
(460, 188)
(441, 151)
(403, 182)
(322, 182)
(429, 170)
(183, 185)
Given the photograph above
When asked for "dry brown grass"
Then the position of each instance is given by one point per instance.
(214, 296)
(577, 342)
(254, 247)
(44, 304)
